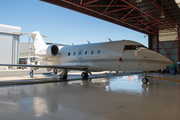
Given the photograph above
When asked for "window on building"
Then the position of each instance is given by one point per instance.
(99, 51)
(86, 53)
(69, 53)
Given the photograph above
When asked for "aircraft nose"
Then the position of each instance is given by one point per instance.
(167, 61)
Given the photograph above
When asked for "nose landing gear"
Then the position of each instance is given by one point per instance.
(145, 80)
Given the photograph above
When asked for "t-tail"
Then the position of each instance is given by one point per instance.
(41, 49)
(38, 40)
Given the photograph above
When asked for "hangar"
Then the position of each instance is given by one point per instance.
(159, 19)
(9, 44)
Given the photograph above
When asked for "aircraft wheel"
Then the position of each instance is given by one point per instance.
(84, 74)
(145, 80)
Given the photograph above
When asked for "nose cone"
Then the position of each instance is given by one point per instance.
(164, 60)
(158, 61)
(169, 62)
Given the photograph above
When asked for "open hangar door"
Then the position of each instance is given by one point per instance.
(159, 19)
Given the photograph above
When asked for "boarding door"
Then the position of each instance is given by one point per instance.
(79, 56)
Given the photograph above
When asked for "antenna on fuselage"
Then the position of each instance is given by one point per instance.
(88, 42)
(110, 40)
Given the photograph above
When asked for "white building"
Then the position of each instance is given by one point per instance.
(9, 45)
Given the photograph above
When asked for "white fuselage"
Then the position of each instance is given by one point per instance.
(110, 56)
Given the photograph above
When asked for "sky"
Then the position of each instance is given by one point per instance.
(62, 25)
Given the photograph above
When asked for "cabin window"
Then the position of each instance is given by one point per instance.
(92, 52)
(99, 51)
(79, 53)
(74, 53)
(69, 53)
(130, 47)
(86, 53)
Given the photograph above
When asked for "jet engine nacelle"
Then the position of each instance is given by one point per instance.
(48, 51)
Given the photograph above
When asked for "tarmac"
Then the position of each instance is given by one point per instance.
(102, 96)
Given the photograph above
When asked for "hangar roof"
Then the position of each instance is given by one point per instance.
(146, 16)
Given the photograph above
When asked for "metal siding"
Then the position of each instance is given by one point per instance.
(24, 50)
(9, 44)
(5, 49)
(9, 29)
(173, 53)
(17, 49)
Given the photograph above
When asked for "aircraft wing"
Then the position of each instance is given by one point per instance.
(75, 67)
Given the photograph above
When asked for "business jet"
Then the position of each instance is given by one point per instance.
(124, 55)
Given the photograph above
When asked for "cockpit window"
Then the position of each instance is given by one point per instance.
(134, 47)
(130, 47)
(141, 47)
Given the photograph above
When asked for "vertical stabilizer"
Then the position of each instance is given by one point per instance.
(38, 40)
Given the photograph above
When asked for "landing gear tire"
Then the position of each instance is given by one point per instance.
(145, 80)
(84, 74)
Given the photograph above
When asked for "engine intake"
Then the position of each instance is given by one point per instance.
(53, 50)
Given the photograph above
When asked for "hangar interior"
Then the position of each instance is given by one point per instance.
(159, 19)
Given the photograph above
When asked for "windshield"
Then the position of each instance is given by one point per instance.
(130, 47)
(134, 47)
(141, 47)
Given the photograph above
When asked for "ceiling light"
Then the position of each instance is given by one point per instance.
(138, 1)
(162, 15)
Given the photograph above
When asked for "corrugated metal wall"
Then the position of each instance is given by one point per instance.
(9, 45)
(167, 43)
(173, 53)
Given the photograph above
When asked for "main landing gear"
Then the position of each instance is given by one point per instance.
(85, 74)
(64, 74)
(145, 80)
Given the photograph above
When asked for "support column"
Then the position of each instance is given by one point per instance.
(150, 37)
(178, 45)
(157, 43)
